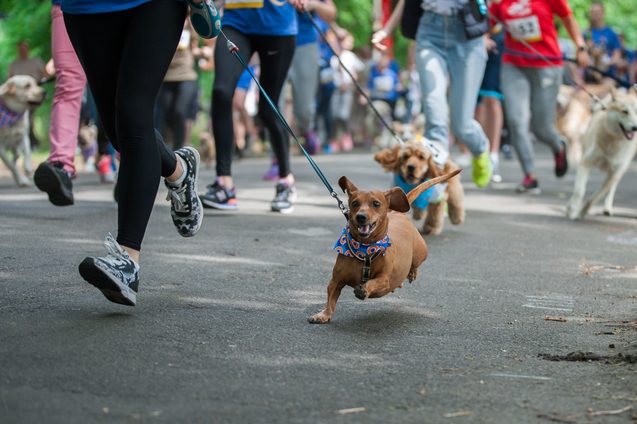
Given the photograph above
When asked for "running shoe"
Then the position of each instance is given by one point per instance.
(185, 206)
(481, 169)
(116, 274)
(312, 143)
(219, 197)
(285, 197)
(529, 185)
(347, 142)
(52, 179)
(273, 172)
(561, 161)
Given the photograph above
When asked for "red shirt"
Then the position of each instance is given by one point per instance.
(533, 21)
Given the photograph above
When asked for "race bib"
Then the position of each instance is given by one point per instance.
(441, 154)
(527, 29)
(244, 4)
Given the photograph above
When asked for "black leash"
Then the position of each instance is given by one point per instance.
(235, 51)
(541, 56)
(369, 101)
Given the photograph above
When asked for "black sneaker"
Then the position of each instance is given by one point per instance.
(116, 274)
(529, 186)
(219, 197)
(561, 161)
(284, 200)
(185, 206)
(56, 182)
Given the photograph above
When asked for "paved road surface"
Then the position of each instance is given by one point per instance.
(220, 333)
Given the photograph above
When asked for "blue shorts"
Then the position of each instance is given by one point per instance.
(245, 79)
(491, 80)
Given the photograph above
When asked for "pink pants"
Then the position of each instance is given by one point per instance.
(67, 101)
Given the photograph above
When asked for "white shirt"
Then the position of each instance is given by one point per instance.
(351, 62)
(443, 7)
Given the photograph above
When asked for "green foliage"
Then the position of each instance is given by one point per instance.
(619, 15)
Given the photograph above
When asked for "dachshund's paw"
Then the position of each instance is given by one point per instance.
(360, 292)
(318, 319)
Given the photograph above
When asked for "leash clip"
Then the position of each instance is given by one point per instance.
(344, 209)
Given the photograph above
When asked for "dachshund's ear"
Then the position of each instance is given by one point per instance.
(346, 185)
(397, 200)
(387, 158)
(433, 170)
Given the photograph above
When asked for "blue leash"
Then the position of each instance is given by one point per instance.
(235, 51)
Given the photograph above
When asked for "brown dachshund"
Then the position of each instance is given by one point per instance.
(375, 218)
(414, 162)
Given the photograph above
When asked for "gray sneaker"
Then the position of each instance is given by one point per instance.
(116, 274)
(284, 200)
(185, 208)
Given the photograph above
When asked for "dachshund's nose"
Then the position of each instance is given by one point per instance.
(411, 168)
(361, 217)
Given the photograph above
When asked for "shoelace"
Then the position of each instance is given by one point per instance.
(116, 255)
(178, 198)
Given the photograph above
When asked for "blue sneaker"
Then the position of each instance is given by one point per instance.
(205, 18)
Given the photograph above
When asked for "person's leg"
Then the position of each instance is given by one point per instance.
(125, 73)
(165, 107)
(467, 60)
(274, 68)
(304, 78)
(544, 89)
(238, 112)
(183, 102)
(516, 89)
(65, 112)
(432, 66)
(227, 72)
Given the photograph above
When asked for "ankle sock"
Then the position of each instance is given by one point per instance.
(181, 179)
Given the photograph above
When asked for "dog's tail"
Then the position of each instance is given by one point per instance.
(411, 196)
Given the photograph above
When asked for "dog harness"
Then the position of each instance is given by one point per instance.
(8, 116)
(347, 246)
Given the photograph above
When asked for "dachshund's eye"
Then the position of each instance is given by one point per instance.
(354, 204)
(376, 203)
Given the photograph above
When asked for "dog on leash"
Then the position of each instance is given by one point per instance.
(610, 144)
(380, 247)
(17, 95)
(413, 163)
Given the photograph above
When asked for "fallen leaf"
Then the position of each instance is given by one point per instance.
(350, 410)
(459, 414)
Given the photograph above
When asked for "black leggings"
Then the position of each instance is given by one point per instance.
(125, 56)
(176, 98)
(275, 53)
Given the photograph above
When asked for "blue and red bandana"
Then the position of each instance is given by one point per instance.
(359, 249)
(7, 116)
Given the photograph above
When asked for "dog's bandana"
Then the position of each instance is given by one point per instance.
(349, 247)
(433, 194)
(7, 116)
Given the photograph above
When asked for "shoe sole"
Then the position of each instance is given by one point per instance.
(221, 206)
(112, 289)
(49, 182)
(197, 163)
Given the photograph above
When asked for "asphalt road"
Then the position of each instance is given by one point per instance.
(220, 332)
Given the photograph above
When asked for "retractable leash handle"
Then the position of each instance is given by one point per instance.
(358, 86)
(205, 18)
(234, 50)
(541, 56)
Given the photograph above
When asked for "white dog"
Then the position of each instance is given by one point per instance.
(609, 145)
(17, 94)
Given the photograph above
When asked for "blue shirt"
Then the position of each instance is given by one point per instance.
(274, 18)
(98, 6)
(605, 38)
(383, 85)
(307, 33)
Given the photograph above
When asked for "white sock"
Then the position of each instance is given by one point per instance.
(181, 179)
